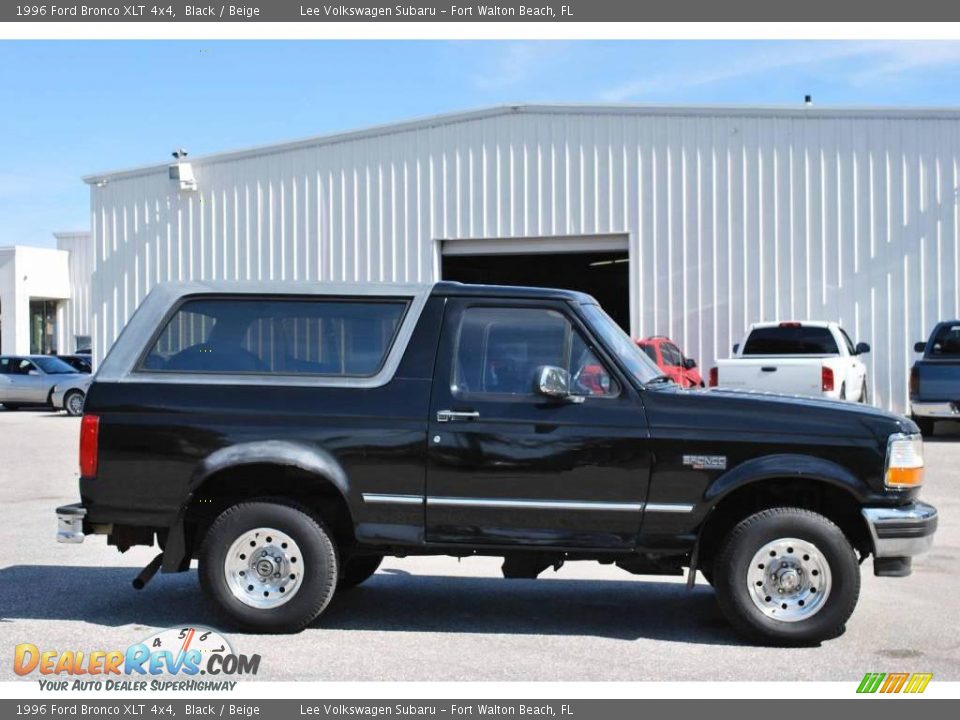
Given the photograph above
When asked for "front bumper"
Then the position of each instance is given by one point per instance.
(936, 410)
(70, 523)
(899, 532)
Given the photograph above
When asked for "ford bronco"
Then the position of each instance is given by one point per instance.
(288, 437)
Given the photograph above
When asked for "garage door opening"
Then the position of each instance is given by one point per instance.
(603, 274)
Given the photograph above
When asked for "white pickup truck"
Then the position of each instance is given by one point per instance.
(799, 358)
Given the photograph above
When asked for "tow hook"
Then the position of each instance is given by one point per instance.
(141, 580)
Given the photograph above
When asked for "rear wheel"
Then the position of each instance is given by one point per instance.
(73, 403)
(269, 567)
(926, 425)
(357, 570)
(787, 576)
(11, 406)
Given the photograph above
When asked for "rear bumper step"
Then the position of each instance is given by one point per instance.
(70, 523)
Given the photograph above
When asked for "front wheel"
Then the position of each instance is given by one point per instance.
(270, 567)
(73, 403)
(864, 398)
(787, 576)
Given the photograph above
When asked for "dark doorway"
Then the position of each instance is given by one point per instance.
(601, 274)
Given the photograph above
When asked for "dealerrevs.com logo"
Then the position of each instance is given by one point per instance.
(185, 652)
(888, 683)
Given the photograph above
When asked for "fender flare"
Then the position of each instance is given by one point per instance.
(302, 456)
(785, 466)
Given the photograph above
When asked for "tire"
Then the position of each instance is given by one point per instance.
(843, 392)
(926, 425)
(827, 565)
(73, 403)
(864, 398)
(242, 581)
(11, 406)
(357, 570)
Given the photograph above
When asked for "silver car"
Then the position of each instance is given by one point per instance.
(30, 380)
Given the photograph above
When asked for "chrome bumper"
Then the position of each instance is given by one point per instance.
(901, 531)
(70, 523)
(939, 410)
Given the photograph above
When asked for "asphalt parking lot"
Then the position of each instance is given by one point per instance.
(440, 619)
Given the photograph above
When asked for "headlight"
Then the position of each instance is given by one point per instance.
(904, 461)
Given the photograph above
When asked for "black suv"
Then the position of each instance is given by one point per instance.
(290, 436)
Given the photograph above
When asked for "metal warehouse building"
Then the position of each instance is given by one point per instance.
(688, 222)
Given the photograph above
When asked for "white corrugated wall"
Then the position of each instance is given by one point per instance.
(74, 315)
(732, 216)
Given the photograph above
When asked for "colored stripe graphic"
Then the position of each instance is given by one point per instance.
(894, 682)
(918, 682)
(870, 682)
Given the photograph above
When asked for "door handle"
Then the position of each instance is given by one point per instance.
(768, 369)
(448, 415)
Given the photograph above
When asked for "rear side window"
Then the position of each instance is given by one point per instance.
(947, 341)
(650, 351)
(791, 340)
(278, 336)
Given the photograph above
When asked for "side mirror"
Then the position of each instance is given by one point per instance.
(689, 363)
(552, 382)
(862, 348)
(919, 347)
(736, 348)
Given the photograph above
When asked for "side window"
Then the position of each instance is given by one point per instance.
(25, 366)
(671, 354)
(651, 351)
(499, 350)
(333, 337)
(5, 366)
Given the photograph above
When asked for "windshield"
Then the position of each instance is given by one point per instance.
(52, 365)
(619, 343)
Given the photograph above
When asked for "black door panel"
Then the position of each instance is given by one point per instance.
(508, 466)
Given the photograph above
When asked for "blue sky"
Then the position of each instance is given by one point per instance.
(72, 108)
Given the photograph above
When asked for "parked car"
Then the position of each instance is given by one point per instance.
(70, 393)
(29, 379)
(289, 436)
(800, 358)
(80, 363)
(672, 362)
(935, 378)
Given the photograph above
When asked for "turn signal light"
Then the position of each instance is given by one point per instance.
(826, 379)
(89, 441)
(714, 377)
(904, 461)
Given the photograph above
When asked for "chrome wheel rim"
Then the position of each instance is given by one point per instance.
(75, 404)
(264, 568)
(789, 580)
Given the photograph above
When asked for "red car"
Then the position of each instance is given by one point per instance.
(665, 353)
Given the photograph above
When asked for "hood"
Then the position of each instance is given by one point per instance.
(774, 413)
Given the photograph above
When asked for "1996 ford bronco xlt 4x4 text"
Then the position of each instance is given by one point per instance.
(290, 436)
